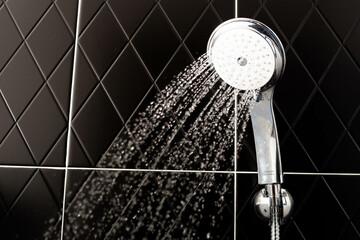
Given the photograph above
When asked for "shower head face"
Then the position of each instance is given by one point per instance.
(246, 54)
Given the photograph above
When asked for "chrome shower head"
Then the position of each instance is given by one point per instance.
(246, 54)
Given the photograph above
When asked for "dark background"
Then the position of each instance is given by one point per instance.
(127, 51)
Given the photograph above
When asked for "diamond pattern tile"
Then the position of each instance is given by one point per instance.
(89, 9)
(35, 200)
(14, 150)
(352, 41)
(318, 130)
(19, 87)
(27, 13)
(345, 158)
(85, 81)
(344, 73)
(293, 89)
(58, 84)
(42, 124)
(199, 36)
(6, 120)
(101, 45)
(341, 15)
(131, 14)
(50, 40)
(247, 8)
(315, 212)
(10, 37)
(316, 45)
(175, 10)
(19, 178)
(355, 129)
(57, 155)
(156, 38)
(225, 8)
(127, 82)
(99, 115)
(289, 15)
(68, 9)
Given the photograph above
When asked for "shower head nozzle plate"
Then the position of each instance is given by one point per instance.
(246, 54)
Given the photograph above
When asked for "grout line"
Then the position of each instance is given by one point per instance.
(76, 49)
(171, 170)
(235, 157)
(236, 13)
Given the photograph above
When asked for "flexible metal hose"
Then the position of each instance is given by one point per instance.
(275, 224)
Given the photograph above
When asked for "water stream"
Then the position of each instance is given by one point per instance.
(188, 126)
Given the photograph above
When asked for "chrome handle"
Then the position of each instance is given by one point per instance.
(266, 139)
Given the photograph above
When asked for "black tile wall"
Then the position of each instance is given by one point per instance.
(127, 51)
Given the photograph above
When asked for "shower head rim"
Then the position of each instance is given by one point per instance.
(265, 32)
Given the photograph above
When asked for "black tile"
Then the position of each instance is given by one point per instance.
(316, 45)
(346, 157)
(57, 155)
(356, 221)
(318, 130)
(50, 40)
(10, 190)
(355, 129)
(42, 124)
(293, 89)
(299, 186)
(97, 124)
(264, 17)
(289, 15)
(281, 126)
(177, 64)
(69, 9)
(292, 232)
(247, 8)
(10, 37)
(77, 156)
(60, 82)
(156, 42)
(130, 13)
(85, 80)
(75, 182)
(102, 44)
(225, 8)
(13, 150)
(183, 14)
(33, 214)
(340, 14)
(294, 158)
(19, 87)
(127, 82)
(352, 43)
(6, 120)
(199, 36)
(343, 188)
(343, 77)
(55, 181)
(27, 13)
(88, 9)
(350, 233)
(321, 217)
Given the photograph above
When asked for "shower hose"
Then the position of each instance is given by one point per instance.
(275, 224)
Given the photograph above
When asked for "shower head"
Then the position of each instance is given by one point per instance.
(246, 54)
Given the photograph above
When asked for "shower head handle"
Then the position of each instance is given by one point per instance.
(266, 139)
